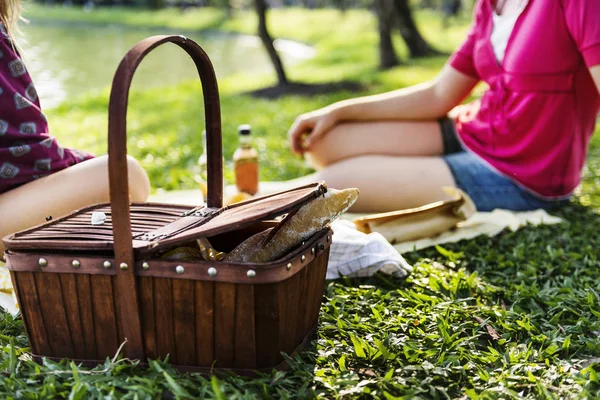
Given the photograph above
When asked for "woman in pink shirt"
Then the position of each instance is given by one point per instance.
(521, 146)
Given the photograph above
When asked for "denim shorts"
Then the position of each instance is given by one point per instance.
(487, 188)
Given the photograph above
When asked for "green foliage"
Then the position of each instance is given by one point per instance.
(514, 316)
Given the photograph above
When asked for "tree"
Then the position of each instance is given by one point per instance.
(385, 20)
(417, 46)
(156, 4)
(265, 37)
(340, 5)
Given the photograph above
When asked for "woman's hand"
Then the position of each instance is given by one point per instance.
(310, 128)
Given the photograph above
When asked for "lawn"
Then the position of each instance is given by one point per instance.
(506, 317)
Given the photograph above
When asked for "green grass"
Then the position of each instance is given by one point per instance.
(506, 317)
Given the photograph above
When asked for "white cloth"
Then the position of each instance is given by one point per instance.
(503, 27)
(8, 298)
(356, 254)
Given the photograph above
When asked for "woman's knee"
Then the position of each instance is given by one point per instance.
(139, 184)
(323, 153)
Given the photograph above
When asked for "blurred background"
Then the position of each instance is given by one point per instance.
(70, 47)
(274, 60)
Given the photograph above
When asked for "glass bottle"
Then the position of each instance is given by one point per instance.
(245, 161)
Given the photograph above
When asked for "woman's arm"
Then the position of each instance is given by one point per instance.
(430, 100)
(595, 71)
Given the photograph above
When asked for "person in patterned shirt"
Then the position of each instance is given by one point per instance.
(38, 177)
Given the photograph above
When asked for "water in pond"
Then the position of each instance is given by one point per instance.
(68, 61)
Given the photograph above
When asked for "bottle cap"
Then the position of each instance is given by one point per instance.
(244, 129)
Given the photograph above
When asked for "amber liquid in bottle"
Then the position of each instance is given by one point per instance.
(245, 161)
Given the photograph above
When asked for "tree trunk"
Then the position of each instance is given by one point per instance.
(417, 46)
(229, 8)
(385, 19)
(263, 33)
(156, 4)
(340, 5)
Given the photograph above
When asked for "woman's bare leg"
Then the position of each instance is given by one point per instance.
(63, 192)
(387, 183)
(391, 138)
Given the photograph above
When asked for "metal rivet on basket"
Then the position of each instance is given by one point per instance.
(123, 266)
(289, 266)
(321, 246)
(251, 273)
(328, 238)
(212, 271)
(302, 258)
(107, 264)
(312, 251)
(76, 264)
(43, 262)
(179, 269)
(145, 265)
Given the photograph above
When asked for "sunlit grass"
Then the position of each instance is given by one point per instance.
(514, 316)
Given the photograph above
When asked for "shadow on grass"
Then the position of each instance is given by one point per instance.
(305, 89)
(294, 381)
(380, 280)
(213, 27)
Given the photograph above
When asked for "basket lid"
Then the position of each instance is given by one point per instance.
(206, 222)
(156, 226)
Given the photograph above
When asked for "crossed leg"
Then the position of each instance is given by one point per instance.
(386, 138)
(63, 192)
(395, 165)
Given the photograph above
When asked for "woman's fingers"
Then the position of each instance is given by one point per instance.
(293, 134)
(318, 131)
(308, 129)
(299, 129)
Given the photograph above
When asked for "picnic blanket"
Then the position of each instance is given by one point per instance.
(356, 254)
(8, 297)
(481, 223)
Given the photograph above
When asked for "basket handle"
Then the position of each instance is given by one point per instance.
(117, 170)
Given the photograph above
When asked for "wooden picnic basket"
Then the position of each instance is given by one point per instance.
(85, 289)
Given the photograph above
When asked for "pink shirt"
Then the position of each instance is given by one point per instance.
(27, 151)
(534, 123)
